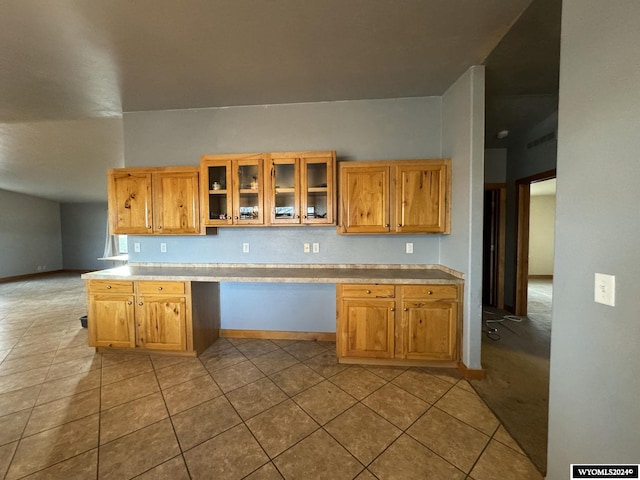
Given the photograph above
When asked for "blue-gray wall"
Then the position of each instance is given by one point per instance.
(594, 412)
(83, 235)
(30, 237)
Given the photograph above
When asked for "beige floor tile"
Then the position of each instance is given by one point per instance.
(204, 421)
(236, 376)
(68, 386)
(273, 362)
(500, 461)
(453, 440)
(219, 345)
(305, 349)
(362, 432)
(138, 452)
(469, 408)
(396, 405)
(388, 373)
(20, 380)
(324, 401)
(17, 400)
(124, 370)
(231, 455)
(465, 385)
(163, 361)
(326, 364)
(26, 363)
(55, 445)
(190, 393)
(6, 454)
(74, 367)
(12, 426)
(71, 353)
(256, 397)
(129, 389)
(63, 411)
(366, 475)
(174, 469)
(129, 417)
(319, 457)
(266, 472)
(113, 358)
(32, 346)
(280, 427)
(255, 348)
(80, 467)
(422, 385)
(407, 458)
(358, 381)
(223, 359)
(503, 437)
(180, 372)
(449, 375)
(296, 378)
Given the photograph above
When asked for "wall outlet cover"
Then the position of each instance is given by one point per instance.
(605, 289)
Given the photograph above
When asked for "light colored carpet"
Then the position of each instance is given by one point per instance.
(516, 386)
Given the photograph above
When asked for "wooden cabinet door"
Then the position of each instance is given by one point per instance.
(283, 191)
(130, 202)
(216, 200)
(248, 191)
(364, 201)
(421, 199)
(176, 202)
(161, 322)
(366, 328)
(110, 321)
(318, 190)
(429, 330)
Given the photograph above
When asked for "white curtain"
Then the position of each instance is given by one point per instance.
(110, 244)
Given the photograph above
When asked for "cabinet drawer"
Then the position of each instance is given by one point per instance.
(368, 291)
(110, 286)
(430, 292)
(151, 288)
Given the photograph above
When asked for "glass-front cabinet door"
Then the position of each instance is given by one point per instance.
(217, 204)
(285, 191)
(317, 190)
(248, 192)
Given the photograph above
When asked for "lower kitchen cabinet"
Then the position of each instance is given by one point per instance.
(401, 324)
(153, 315)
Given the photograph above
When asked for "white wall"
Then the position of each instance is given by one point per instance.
(594, 412)
(542, 220)
(30, 235)
(463, 141)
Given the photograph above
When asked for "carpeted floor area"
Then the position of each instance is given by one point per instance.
(516, 362)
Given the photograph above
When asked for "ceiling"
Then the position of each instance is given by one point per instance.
(70, 68)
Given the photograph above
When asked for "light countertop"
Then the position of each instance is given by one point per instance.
(282, 273)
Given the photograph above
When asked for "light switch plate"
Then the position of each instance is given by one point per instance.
(136, 247)
(316, 248)
(245, 248)
(409, 247)
(163, 248)
(605, 289)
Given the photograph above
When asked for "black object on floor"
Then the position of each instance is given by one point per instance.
(83, 321)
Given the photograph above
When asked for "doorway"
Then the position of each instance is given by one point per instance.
(523, 237)
(493, 254)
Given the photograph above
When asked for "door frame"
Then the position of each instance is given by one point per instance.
(523, 193)
(500, 247)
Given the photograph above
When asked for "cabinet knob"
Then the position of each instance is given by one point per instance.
(405, 309)
(108, 287)
(399, 224)
(386, 225)
(160, 227)
(368, 292)
(129, 302)
(304, 216)
(392, 309)
(236, 217)
(148, 226)
(160, 289)
(140, 303)
(429, 292)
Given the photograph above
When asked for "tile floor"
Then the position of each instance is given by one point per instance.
(254, 409)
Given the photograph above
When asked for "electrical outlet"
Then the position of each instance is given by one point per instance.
(136, 247)
(316, 248)
(306, 248)
(409, 247)
(163, 247)
(605, 289)
(245, 248)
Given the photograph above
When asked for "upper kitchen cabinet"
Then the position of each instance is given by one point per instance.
(395, 196)
(162, 200)
(301, 188)
(232, 189)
